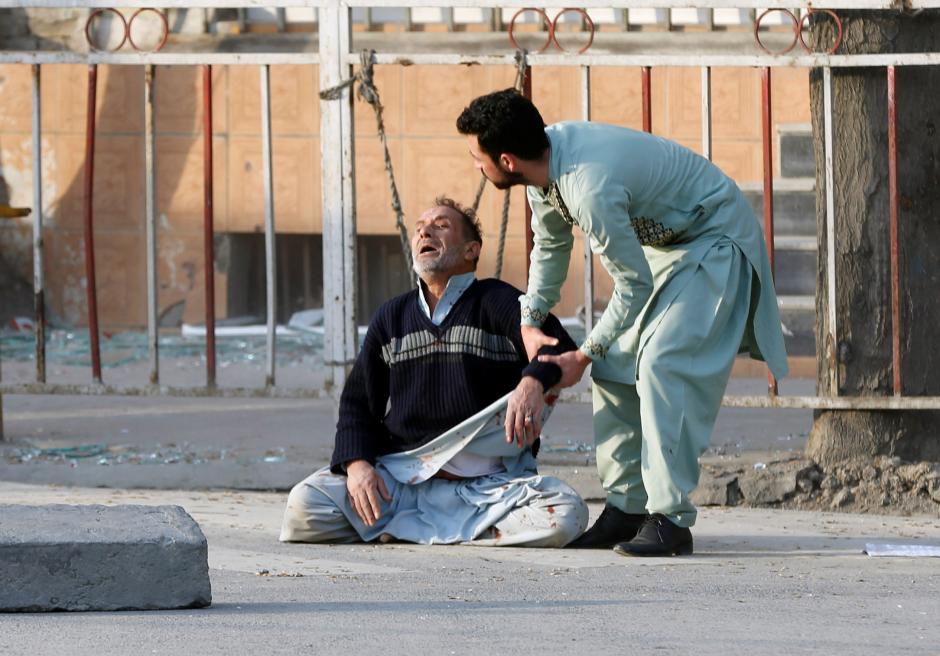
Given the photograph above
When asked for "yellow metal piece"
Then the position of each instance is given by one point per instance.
(7, 212)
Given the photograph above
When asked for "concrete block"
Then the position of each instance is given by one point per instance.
(95, 558)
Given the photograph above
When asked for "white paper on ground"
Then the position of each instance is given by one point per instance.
(904, 550)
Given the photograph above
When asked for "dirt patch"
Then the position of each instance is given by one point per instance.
(881, 485)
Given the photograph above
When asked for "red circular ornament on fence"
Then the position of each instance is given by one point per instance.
(585, 16)
(796, 32)
(95, 14)
(835, 18)
(548, 24)
(166, 30)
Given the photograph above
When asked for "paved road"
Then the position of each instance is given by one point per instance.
(761, 582)
(270, 443)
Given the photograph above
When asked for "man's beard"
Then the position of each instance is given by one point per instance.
(445, 261)
(507, 180)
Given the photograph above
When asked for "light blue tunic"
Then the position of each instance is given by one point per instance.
(652, 210)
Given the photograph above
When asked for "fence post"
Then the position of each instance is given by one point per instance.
(338, 198)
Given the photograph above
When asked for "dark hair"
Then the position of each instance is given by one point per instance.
(471, 222)
(505, 122)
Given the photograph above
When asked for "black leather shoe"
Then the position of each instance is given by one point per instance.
(658, 537)
(611, 527)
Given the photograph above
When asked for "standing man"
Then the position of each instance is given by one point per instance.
(692, 288)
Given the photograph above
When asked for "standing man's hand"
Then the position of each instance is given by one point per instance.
(534, 339)
(572, 364)
(524, 412)
(366, 489)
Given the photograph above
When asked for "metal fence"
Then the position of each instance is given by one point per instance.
(335, 60)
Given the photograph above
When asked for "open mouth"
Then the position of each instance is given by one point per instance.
(427, 248)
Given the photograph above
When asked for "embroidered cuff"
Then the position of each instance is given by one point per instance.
(531, 315)
(594, 350)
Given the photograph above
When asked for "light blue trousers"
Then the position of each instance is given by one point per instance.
(649, 436)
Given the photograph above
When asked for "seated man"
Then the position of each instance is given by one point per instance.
(427, 448)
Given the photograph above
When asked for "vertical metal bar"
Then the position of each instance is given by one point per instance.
(647, 100)
(338, 197)
(151, 224)
(207, 223)
(367, 24)
(409, 20)
(832, 347)
(893, 200)
(269, 235)
(91, 290)
(1, 393)
(707, 112)
(529, 235)
(241, 13)
(766, 125)
(449, 18)
(39, 304)
(588, 255)
(496, 19)
(710, 20)
(281, 17)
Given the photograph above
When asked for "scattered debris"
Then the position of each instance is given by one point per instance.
(71, 348)
(121, 454)
(903, 550)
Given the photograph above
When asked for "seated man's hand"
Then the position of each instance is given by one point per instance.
(524, 412)
(365, 487)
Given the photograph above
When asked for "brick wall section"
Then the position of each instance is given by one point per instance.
(421, 104)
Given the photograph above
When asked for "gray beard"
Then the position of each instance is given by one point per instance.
(447, 260)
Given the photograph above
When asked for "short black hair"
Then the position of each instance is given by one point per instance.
(505, 122)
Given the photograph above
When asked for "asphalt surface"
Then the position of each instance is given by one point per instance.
(760, 582)
(262, 444)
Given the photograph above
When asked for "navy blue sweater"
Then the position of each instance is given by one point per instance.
(413, 380)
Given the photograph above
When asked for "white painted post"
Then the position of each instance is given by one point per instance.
(707, 112)
(833, 347)
(270, 254)
(338, 191)
(588, 255)
(150, 217)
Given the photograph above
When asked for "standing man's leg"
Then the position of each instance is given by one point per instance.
(682, 375)
(618, 440)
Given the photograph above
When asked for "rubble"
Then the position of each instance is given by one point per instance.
(885, 485)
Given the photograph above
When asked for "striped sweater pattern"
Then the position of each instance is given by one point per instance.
(413, 380)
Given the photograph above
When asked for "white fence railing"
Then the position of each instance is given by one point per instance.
(335, 59)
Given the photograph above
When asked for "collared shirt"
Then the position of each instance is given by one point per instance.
(455, 288)
(463, 464)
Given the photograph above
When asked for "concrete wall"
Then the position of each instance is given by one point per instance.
(421, 104)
